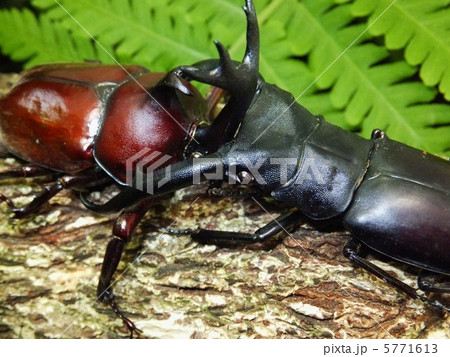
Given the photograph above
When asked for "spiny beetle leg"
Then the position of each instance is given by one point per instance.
(282, 223)
(352, 251)
(123, 229)
(48, 192)
(26, 171)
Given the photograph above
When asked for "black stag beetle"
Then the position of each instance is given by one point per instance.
(392, 198)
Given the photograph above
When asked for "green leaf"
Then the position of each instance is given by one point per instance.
(372, 90)
(421, 28)
(41, 40)
(327, 53)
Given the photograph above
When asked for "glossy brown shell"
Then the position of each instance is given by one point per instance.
(52, 116)
(143, 120)
(58, 114)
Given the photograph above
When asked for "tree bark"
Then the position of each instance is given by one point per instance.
(299, 286)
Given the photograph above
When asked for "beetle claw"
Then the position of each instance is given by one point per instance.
(128, 323)
(434, 303)
(19, 212)
(7, 200)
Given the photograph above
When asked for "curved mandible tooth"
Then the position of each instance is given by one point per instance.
(208, 72)
(225, 60)
(251, 57)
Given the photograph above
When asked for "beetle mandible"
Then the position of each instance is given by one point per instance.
(392, 198)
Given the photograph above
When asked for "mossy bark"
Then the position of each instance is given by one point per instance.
(298, 286)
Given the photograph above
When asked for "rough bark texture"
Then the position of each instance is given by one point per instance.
(295, 287)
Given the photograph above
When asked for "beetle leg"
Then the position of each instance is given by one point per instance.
(214, 100)
(282, 223)
(48, 192)
(428, 281)
(125, 198)
(352, 251)
(26, 171)
(177, 232)
(123, 229)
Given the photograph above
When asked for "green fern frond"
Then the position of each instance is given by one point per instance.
(138, 31)
(421, 28)
(36, 40)
(303, 50)
(368, 90)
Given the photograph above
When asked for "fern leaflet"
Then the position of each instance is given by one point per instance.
(307, 48)
(421, 28)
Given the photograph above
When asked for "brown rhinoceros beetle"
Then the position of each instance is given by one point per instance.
(81, 123)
